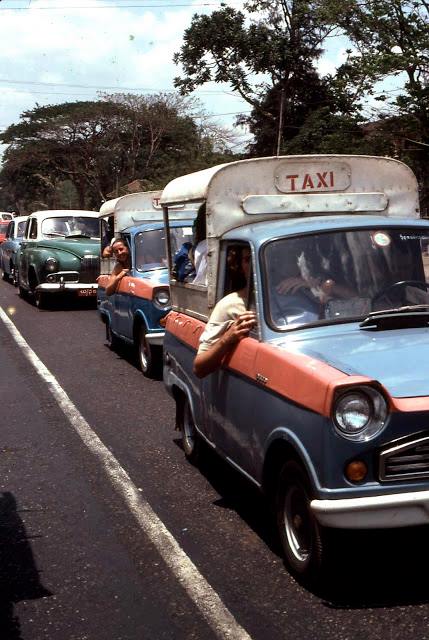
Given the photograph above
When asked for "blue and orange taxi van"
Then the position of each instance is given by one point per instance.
(133, 313)
(325, 405)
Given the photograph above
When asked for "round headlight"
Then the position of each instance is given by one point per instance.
(360, 414)
(162, 298)
(51, 264)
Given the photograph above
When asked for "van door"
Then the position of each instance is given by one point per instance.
(228, 393)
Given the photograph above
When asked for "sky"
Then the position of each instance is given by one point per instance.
(55, 51)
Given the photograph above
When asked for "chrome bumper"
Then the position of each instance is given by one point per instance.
(65, 286)
(156, 339)
(374, 512)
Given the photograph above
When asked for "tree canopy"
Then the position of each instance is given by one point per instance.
(76, 154)
(376, 102)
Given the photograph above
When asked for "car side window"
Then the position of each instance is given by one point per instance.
(33, 229)
(9, 232)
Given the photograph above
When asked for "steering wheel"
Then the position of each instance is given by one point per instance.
(401, 283)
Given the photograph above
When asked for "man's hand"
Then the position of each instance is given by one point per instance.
(240, 328)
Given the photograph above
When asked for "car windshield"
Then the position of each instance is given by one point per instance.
(150, 246)
(343, 275)
(71, 226)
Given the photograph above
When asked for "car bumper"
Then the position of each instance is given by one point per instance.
(155, 339)
(374, 512)
(54, 287)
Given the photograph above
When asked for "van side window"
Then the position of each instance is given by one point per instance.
(238, 271)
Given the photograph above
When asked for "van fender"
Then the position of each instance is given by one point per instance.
(282, 435)
(171, 381)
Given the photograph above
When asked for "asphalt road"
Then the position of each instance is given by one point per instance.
(76, 564)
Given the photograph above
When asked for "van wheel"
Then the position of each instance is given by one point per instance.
(191, 440)
(300, 534)
(150, 357)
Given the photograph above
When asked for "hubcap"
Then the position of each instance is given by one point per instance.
(297, 523)
(143, 351)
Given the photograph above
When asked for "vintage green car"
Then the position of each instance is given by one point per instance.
(60, 253)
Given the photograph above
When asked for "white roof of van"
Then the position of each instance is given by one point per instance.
(259, 189)
(132, 202)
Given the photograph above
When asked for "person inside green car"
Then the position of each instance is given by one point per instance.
(123, 264)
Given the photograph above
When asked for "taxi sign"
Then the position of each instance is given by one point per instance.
(303, 177)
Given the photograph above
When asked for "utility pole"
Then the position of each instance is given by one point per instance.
(280, 126)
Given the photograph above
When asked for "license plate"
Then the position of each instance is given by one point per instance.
(85, 293)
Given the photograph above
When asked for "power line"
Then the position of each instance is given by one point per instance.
(99, 88)
(111, 6)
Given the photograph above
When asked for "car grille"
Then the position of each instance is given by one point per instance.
(89, 269)
(405, 461)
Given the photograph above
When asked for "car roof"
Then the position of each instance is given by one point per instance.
(58, 213)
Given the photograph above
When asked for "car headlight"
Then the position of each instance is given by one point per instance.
(360, 414)
(162, 298)
(51, 264)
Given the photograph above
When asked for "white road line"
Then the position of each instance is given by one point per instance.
(201, 593)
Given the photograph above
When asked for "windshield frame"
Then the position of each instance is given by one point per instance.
(264, 270)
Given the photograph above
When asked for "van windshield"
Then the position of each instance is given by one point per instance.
(336, 276)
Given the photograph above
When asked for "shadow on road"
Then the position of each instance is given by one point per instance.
(373, 569)
(19, 577)
(367, 569)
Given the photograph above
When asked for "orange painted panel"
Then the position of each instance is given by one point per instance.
(410, 404)
(185, 328)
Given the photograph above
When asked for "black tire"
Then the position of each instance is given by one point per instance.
(14, 275)
(22, 292)
(5, 276)
(40, 299)
(301, 536)
(191, 440)
(149, 357)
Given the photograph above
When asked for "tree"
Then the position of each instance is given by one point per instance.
(267, 54)
(98, 146)
(390, 46)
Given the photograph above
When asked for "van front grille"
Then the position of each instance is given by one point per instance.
(406, 461)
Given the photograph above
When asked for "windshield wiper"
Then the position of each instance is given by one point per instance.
(416, 315)
(55, 233)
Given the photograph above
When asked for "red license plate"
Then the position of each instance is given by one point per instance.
(85, 293)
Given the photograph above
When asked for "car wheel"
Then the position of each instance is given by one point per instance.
(191, 440)
(12, 274)
(40, 299)
(300, 534)
(5, 276)
(22, 292)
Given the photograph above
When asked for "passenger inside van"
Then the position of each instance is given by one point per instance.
(230, 321)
